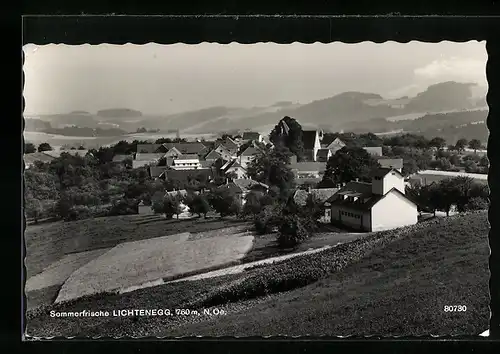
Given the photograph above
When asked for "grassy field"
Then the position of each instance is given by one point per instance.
(134, 263)
(49, 243)
(54, 250)
(399, 288)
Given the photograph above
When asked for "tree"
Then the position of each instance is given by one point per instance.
(33, 208)
(171, 207)
(348, 164)
(442, 164)
(252, 203)
(437, 142)
(44, 147)
(475, 144)
(29, 148)
(455, 160)
(224, 202)
(461, 144)
(291, 232)
(288, 133)
(198, 204)
(410, 166)
(271, 167)
(484, 162)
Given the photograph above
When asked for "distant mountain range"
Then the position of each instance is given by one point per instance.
(334, 113)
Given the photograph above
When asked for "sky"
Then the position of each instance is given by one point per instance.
(164, 79)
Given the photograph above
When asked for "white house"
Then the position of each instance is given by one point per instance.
(377, 206)
(186, 162)
(248, 156)
(233, 167)
(308, 170)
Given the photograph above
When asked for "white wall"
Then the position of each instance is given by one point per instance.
(245, 160)
(317, 146)
(389, 181)
(240, 173)
(393, 211)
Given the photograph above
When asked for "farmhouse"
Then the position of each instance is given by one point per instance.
(230, 145)
(247, 156)
(311, 139)
(240, 187)
(186, 162)
(233, 167)
(186, 147)
(252, 136)
(308, 170)
(144, 159)
(30, 159)
(224, 153)
(380, 205)
(319, 195)
(336, 145)
(151, 148)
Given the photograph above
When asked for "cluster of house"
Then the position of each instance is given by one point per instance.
(47, 156)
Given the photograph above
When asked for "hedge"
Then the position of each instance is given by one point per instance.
(304, 270)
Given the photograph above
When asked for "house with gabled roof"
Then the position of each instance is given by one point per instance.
(186, 162)
(248, 155)
(230, 145)
(319, 195)
(234, 167)
(212, 156)
(335, 145)
(311, 140)
(396, 164)
(144, 159)
(151, 148)
(187, 147)
(376, 206)
(308, 169)
(252, 136)
(240, 187)
(225, 153)
(173, 152)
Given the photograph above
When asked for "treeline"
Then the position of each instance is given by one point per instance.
(461, 192)
(419, 152)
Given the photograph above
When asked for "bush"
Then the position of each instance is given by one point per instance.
(268, 219)
(78, 212)
(477, 203)
(292, 232)
(123, 207)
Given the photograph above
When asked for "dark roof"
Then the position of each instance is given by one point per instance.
(323, 153)
(308, 166)
(148, 156)
(251, 136)
(187, 157)
(381, 172)
(206, 164)
(391, 163)
(185, 175)
(120, 157)
(37, 156)
(323, 194)
(300, 181)
(156, 171)
(337, 142)
(250, 151)
(309, 138)
(247, 183)
(187, 148)
(229, 144)
(148, 148)
(213, 155)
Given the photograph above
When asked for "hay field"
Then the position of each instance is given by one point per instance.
(134, 263)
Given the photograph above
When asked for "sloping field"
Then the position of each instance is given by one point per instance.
(400, 289)
(49, 243)
(138, 262)
(58, 272)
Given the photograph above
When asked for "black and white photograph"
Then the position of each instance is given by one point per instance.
(239, 190)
